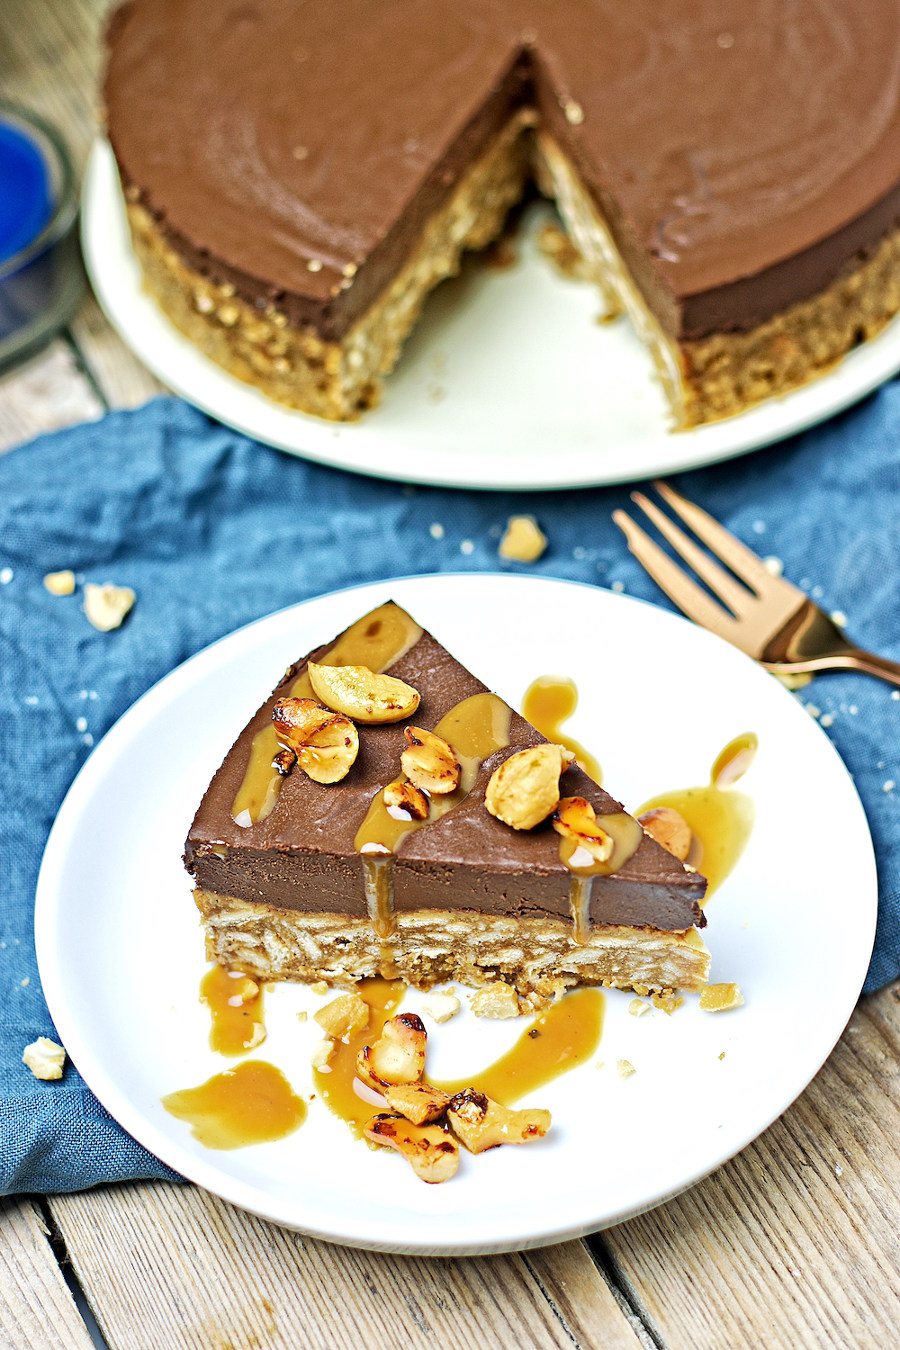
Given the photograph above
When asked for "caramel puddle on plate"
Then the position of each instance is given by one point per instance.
(237, 1025)
(557, 1040)
(720, 818)
(336, 1082)
(549, 701)
(252, 1103)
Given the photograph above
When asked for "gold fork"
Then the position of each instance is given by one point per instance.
(766, 616)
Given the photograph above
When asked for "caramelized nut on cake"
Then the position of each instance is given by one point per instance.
(44, 1058)
(524, 541)
(721, 997)
(284, 761)
(418, 1102)
(576, 819)
(480, 1123)
(60, 583)
(497, 1000)
(107, 606)
(326, 743)
(398, 1057)
(407, 797)
(343, 1016)
(429, 762)
(360, 693)
(430, 1150)
(670, 829)
(525, 788)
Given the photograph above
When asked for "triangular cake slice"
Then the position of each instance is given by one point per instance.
(302, 880)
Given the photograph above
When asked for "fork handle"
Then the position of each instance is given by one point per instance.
(854, 659)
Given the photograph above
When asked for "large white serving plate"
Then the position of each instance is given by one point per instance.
(121, 952)
(508, 381)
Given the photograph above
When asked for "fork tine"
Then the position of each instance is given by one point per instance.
(720, 582)
(686, 594)
(741, 559)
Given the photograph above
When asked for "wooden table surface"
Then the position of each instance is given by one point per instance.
(793, 1243)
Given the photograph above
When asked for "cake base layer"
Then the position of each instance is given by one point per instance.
(540, 958)
(729, 372)
(295, 366)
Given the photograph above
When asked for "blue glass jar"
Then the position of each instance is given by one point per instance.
(41, 277)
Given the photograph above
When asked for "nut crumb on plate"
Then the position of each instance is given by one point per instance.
(667, 1003)
(440, 1007)
(481, 1123)
(497, 1000)
(344, 1015)
(44, 1058)
(637, 1007)
(721, 997)
(625, 1068)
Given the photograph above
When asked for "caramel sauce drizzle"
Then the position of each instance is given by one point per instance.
(377, 640)
(475, 728)
(626, 834)
(557, 1040)
(720, 818)
(237, 1025)
(252, 1103)
(549, 701)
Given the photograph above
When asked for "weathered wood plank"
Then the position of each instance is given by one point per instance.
(36, 1307)
(50, 57)
(165, 1266)
(46, 392)
(795, 1242)
(582, 1297)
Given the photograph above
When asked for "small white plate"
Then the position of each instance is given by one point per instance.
(508, 381)
(121, 952)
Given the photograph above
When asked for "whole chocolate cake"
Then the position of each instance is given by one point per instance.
(299, 175)
(339, 854)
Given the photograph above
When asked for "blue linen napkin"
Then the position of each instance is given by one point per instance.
(213, 530)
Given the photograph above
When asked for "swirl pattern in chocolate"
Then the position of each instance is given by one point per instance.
(743, 154)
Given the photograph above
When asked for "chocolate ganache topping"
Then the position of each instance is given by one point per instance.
(308, 851)
(743, 154)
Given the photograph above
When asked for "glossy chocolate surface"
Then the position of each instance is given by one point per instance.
(303, 855)
(744, 154)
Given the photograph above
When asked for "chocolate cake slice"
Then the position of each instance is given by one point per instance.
(476, 879)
